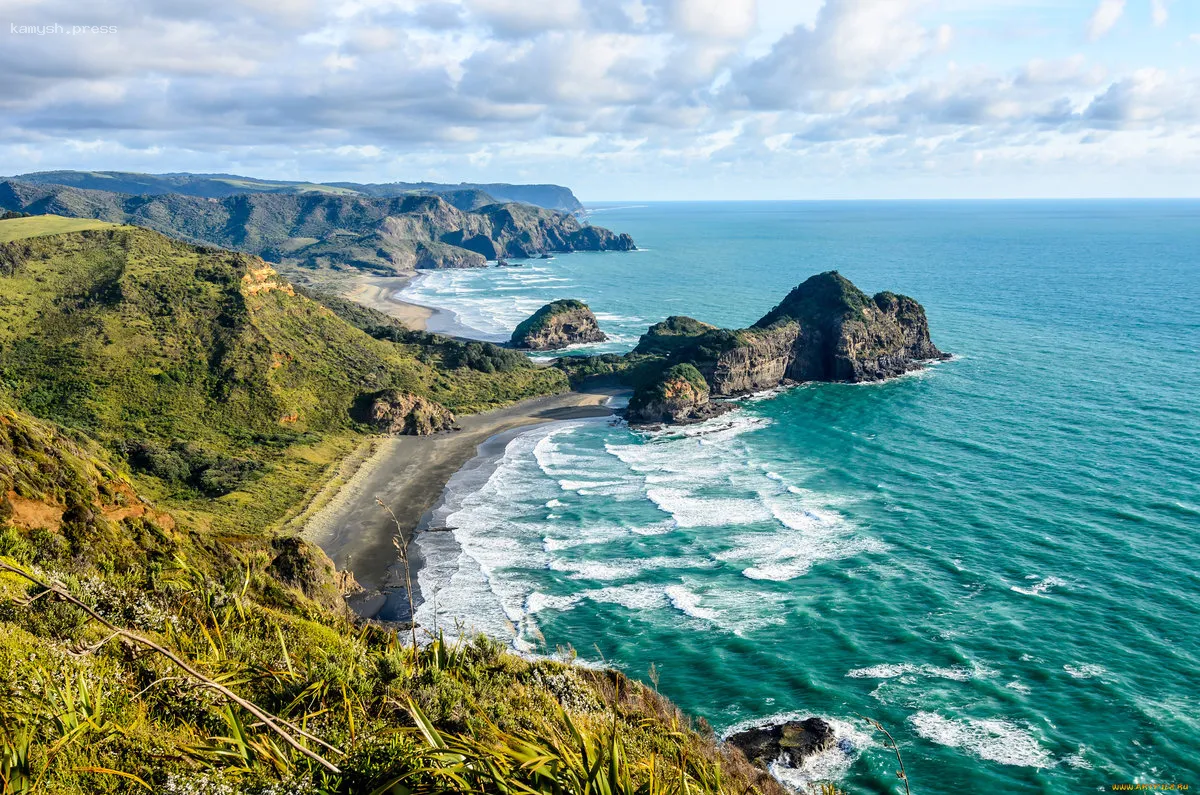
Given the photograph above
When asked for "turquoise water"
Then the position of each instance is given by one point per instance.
(997, 557)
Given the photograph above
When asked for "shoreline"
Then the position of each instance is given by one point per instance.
(379, 293)
(410, 474)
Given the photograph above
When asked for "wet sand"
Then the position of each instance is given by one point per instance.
(409, 473)
(379, 293)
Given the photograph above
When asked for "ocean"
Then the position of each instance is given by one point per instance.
(998, 557)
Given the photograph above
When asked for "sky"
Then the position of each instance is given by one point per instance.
(618, 99)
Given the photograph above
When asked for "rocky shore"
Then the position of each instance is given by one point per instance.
(826, 329)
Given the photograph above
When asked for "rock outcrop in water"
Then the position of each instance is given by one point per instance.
(789, 743)
(557, 325)
(826, 329)
(679, 395)
(403, 413)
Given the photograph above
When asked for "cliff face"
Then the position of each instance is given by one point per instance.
(385, 234)
(680, 395)
(826, 329)
(849, 336)
(404, 413)
(759, 361)
(557, 325)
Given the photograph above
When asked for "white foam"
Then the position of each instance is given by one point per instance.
(1041, 587)
(555, 503)
(687, 602)
(892, 670)
(991, 739)
(662, 528)
(623, 568)
(830, 765)
(809, 536)
(576, 485)
(1085, 670)
(1078, 761)
(690, 511)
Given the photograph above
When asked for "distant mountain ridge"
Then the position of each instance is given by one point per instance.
(220, 186)
(338, 231)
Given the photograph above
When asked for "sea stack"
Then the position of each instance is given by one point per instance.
(826, 329)
(557, 325)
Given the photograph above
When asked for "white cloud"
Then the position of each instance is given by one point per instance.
(1159, 12)
(717, 19)
(593, 92)
(527, 17)
(1107, 14)
(852, 44)
(335, 62)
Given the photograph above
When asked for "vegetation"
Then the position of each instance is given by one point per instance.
(338, 229)
(454, 353)
(539, 319)
(208, 374)
(680, 383)
(217, 186)
(163, 410)
(141, 655)
(19, 226)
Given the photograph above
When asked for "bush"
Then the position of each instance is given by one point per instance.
(186, 464)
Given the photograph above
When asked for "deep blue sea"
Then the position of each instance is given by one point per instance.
(998, 557)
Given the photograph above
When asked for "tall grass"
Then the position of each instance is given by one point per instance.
(260, 699)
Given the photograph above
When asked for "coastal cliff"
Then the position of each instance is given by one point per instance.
(680, 395)
(557, 325)
(318, 231)
(826, 329)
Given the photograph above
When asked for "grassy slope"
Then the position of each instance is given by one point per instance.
(119, 332)
(132, 337)
(39, 225)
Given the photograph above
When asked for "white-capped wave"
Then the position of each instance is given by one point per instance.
(1041, 587)
(958, 673)
(624, 568)
(810, 536)
(688, 602)
(991, 739)
(1085, 670)
(690, 511)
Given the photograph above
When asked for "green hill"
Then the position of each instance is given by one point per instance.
(219, 186)
(40, 225)
(313, 230)
(163, 408)
(141, 341)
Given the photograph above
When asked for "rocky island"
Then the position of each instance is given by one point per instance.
(557, 325)
(826, 329)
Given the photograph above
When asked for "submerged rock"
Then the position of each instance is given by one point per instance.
(403, 413)
(557, 325)
(789, 743)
